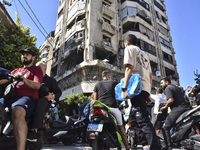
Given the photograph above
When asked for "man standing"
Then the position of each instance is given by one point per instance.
(48, 91)
(26, 94)
(104, 91)
(177, 103)
(73, 107)
(136, 61)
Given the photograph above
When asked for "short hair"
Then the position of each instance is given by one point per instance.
(76, 98)
(85, 100)
(166, 79)
(105, 73)
(132, 39)
(159, 90)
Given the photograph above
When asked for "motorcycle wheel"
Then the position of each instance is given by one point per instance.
(97, 145)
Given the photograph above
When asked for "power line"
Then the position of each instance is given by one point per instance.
(37, 18)
(34, 22)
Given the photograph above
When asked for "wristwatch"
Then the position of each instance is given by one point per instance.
(124, 89)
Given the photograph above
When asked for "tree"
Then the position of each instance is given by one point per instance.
(14, 38)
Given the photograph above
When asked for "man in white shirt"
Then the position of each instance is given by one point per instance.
(159, 99)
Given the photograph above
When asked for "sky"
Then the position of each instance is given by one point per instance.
(183, 19)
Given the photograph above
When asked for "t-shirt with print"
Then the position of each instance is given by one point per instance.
(134, 56)
(35, 74)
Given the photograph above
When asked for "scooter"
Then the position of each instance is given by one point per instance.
(102, 130)
(185, 132)
(68, 132)
(7, 140)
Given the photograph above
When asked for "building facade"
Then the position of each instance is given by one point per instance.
(46, 51)
(89, 39)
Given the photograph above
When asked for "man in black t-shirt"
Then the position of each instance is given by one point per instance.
(177, 103)
(104, 91)
(73, 107)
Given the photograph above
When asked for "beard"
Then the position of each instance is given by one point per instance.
(27, 62)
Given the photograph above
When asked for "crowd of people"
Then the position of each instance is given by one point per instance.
(36, 90)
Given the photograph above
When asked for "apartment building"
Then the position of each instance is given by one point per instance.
(89, 39)
(46, 50)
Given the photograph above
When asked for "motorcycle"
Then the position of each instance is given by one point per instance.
(7, 140)
(68, 132)
(185, 132)
(102, 132)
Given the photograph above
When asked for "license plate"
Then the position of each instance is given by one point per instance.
(95, 127)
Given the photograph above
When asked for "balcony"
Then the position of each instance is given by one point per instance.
(106, 27)
(107, 11)
(108, 1)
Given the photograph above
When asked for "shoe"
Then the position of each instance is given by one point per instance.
(32, 136)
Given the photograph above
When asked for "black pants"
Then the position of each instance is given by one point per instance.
(41, 108)
(139, 119)
(171, 120)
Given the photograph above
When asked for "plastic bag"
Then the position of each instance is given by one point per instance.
(134, 87)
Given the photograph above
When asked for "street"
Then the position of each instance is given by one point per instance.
(60, 146)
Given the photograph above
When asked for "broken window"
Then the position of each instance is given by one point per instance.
(107, 41)
(167, 57)
(60, 13)
(130, 26)
(153, 67)
(159, 6)
(169, 72)
(165, 43)
(147, 47)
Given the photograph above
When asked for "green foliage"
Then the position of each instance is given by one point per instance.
(64, 105)
(13, 39)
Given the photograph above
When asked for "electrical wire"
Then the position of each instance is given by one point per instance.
(34, 22)
(36, 17)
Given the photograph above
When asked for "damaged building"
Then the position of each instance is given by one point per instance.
(89, 39)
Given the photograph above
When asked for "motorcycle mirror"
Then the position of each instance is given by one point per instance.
(4, 71)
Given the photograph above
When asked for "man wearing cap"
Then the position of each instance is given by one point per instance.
(26, 95)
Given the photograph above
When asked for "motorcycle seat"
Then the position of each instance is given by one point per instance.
(187, 113)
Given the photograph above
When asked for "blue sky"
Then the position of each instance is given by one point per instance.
(183, 18)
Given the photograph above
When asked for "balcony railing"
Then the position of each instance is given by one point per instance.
(108, 12)
(106, 27)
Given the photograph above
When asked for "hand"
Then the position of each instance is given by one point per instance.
(149, 101)
(126, 96)
(162, 108)
(50, 97)
(126, 105)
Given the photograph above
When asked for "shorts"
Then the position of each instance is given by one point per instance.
(118, 115)
(27, 102)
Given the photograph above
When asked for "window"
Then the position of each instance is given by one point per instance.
(141, 2)
(60, 13)
(165, 43)
(147, 47)
(107, 41)
(159, 6)
(167, 58)
(133, 26)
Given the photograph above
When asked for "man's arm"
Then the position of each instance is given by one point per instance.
(169, 103)
(31, 84)
(128, 73)
(3, 81)
(150, 79)
(56, 90)
(95, 95)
